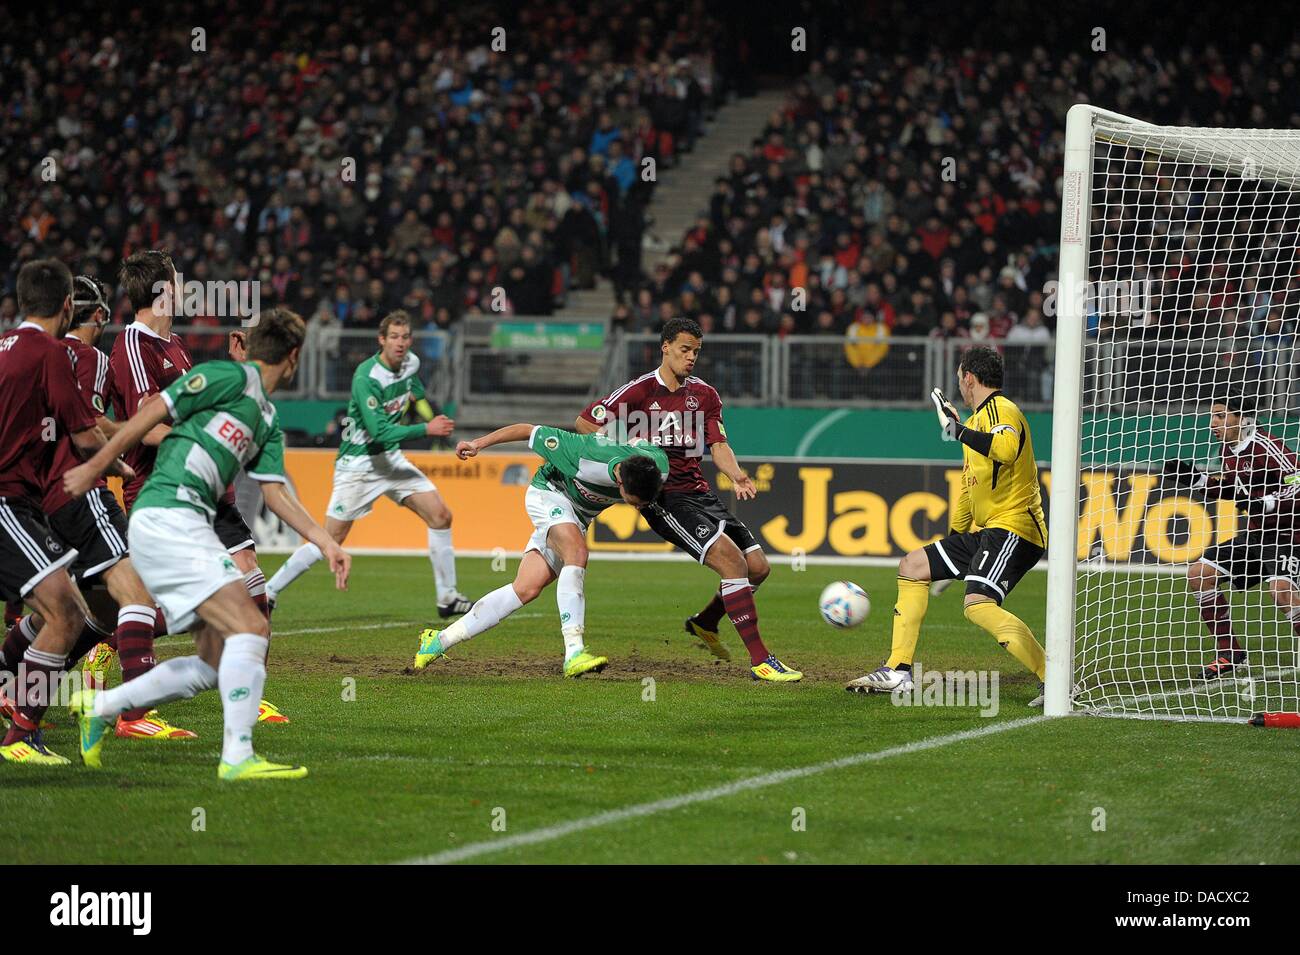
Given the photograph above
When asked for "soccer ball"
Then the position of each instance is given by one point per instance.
(844, 604)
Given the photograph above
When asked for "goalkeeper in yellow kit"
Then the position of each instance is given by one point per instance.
(999, 496)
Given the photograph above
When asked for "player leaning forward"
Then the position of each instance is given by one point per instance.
(1000, 496)
(370, 463)
(683, 414)
(580, 477)
(221, 420)
(1256, 471)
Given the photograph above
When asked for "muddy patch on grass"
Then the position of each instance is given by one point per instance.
(632, 668)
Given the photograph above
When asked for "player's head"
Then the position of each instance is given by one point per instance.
(276, 340)
(151, 282)
(639, 479)
(45, 292)
(980, 366)
(395, 338)
(1230, 413)
(90, 308)
(680, 342)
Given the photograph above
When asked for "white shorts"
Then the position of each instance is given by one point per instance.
(357, 488)
(546, 508)
(180, 560)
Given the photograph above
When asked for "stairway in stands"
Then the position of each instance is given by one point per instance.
(551, 387)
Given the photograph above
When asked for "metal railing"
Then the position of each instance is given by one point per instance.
(741, 367)
(1138, 376)
(336, 352)
(211, 343)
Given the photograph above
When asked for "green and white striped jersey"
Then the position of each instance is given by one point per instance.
(380, 397)
(221, 421)
(581, 466)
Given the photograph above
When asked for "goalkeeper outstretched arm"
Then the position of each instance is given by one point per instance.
(1002, 444)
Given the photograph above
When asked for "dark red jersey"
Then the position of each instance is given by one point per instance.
(143, 363)
(683, 422)
(90, 365)
(1254, 467)
(40, 404)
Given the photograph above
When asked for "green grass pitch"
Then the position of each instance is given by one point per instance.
(492, 745)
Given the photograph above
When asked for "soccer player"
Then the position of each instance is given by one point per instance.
(370, 462)
(581, 475)
(147, 357)
(39, 404)
(222, 420)
(1253, 472)
(95, 527)
(682, 414)
(1000, 496)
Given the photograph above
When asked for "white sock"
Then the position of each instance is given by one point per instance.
(299, 563)
(176, 679)
(241, 676)
(443, 559)
(573, 608)
(487, 612)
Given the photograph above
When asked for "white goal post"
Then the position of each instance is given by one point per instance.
(1179, 277)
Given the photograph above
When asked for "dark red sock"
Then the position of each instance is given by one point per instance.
(1215, 613)
(13, 612)
(739, 599)
(711, 616)
(135, 632)
(38, 677)
(159, 624)
(15, 645)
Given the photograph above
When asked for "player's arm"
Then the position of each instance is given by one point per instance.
(963, 517)
(715, 436)
(368, 400)
(1194, 477)
(284, 504)
(603, 410)
(725, 459)
(155, 435)
(1283, 495)
(77, 481)
(511, 432)
(1001, 442)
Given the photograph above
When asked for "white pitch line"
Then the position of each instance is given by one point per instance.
(640, 810)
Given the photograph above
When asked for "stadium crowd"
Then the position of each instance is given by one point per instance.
(373, 160)
(380, 160)
(919, 196)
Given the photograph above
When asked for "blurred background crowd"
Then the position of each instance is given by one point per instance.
(387, 157)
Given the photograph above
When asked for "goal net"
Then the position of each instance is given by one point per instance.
(1179, 284)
